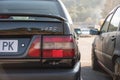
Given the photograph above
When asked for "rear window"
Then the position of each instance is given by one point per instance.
(39, 7)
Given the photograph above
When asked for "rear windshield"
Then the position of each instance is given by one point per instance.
(34, 7)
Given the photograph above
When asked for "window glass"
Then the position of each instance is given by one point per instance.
(39, 7)
(106, 24)
(115, 21)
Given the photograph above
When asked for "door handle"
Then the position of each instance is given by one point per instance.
(113, 38)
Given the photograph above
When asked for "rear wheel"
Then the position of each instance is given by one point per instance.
(79, 75)
(78, 78)
(117, 69)
(95, 64)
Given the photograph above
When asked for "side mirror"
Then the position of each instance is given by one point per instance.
(94, 32)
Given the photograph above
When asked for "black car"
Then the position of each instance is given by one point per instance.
(106, 46)
(37, 41)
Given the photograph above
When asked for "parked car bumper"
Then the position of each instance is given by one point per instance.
(69, 74)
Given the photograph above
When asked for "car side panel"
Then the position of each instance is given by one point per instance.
(98, 47)
(108, 49)
(117, 47)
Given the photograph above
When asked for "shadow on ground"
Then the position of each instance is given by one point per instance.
(88, 74)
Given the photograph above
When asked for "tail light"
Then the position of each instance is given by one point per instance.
(58, 47)
(4, 17)
(34, 50)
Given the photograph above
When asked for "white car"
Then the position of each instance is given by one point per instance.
(85, 32)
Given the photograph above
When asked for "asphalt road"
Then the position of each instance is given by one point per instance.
(86, 71)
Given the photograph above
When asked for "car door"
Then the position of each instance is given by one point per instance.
(100, 37)
(110, 39)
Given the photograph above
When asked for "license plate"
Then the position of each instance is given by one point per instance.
(8, 45)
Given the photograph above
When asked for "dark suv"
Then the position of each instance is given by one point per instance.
(37, 41)
(106, 46)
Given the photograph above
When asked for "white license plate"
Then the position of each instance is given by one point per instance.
(8, 45)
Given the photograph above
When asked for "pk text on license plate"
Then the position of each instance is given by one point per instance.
(8, 45)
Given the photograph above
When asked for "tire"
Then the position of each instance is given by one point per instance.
(78, 78)
(78, 75)
(95, 64)
(117, 70)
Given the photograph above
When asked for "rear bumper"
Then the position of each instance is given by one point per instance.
(69, 74)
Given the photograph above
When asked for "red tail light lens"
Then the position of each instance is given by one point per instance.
(58, 47)
(4, 17)
(34, 50)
